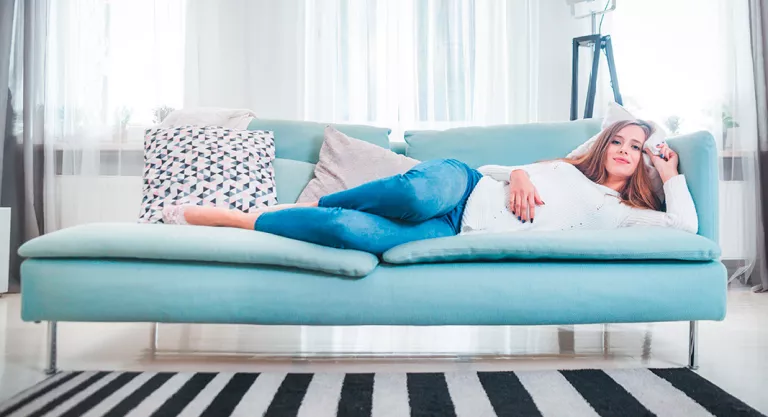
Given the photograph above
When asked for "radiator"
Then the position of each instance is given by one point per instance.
(89, 199)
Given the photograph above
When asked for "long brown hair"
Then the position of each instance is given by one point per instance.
(637, 191)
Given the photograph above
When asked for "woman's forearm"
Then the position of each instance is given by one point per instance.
(667, 175)
(498, 172)
(504, 173)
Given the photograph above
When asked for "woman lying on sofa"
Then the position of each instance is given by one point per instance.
(606, 188)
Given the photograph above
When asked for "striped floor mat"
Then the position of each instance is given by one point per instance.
(626, 393)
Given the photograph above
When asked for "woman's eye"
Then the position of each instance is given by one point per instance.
(615, 142)
(637, 148)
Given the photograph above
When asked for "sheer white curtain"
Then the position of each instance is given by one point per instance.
(398, 63)
(427, 64)
(693, 71)
(110, 69)
(246, 54)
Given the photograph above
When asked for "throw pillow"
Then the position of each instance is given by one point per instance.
(207, 165)
(617, 113)
(347, 162)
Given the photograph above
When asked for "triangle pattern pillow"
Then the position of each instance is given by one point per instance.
(617, 113)
(346, 162)
(209, 166)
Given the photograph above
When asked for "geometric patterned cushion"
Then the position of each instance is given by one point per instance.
(209, 166)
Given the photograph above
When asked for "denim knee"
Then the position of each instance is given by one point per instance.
(412, 189)
(350, 230)
(434, 190)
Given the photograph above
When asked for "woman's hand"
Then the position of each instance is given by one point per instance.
(523, 197)
(665, 162)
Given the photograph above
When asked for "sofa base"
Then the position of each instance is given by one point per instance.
(472, 294)
(52, 360)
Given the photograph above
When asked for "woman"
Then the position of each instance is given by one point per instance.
(606, 188)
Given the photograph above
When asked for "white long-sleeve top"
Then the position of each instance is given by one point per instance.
(572, 201)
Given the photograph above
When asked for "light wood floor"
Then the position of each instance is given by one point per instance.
(733, 353)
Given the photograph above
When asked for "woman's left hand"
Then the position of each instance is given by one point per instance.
(666, 162)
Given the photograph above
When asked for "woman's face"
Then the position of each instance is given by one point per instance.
(625, 151)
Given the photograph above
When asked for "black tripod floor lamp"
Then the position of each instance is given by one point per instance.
(598, 44)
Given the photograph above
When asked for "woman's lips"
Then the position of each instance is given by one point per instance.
(621, 160)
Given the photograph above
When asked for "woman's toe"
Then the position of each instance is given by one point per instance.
(174, 214)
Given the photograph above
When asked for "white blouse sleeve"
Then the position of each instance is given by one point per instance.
(502, 173)
(680, 214)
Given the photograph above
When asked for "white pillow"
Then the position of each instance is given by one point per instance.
(617, 113)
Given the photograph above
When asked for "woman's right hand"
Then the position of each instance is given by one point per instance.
(523, 197)
(666, 162)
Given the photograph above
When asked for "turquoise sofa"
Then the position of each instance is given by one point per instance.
(186, 274)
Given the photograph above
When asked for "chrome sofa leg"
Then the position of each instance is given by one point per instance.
(153, 337)
(51, 354)
(693, 346)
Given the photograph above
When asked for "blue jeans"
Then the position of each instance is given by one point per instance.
(425, 202)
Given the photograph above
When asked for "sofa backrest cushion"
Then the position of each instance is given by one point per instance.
(291, 178)
(501, 145)
(301, 141)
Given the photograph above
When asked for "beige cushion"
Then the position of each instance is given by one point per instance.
(347, 162)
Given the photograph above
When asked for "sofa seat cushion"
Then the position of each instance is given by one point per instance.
(195, 243)
(637, 243)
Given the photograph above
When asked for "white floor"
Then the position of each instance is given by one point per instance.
(733, 353)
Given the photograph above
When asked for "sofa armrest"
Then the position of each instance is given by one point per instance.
(698, 162)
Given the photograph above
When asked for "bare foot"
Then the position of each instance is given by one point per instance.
(209, 216)
(220, 217)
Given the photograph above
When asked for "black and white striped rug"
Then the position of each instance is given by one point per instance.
(625, 393)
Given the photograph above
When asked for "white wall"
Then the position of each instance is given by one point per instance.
(556, 33)
(732, 225)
